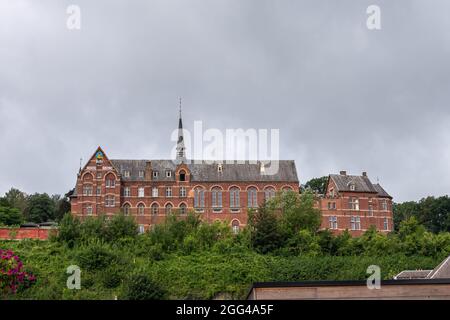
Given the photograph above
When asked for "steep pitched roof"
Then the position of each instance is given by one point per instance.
(362, 183)
(381, 191)
(207, 172)
(441, 271)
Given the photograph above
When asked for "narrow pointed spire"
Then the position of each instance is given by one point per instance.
(181, 155)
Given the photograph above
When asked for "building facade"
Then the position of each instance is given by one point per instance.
(151, 189)
(354, 203)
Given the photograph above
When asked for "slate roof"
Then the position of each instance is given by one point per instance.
(381, 191)
(206, 172)
(413, 274)
(442, 271)
(362, 184)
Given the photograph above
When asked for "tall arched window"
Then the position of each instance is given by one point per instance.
(183, 208)
(155, 209)
(269, 193)
(168, 208)
(252, 196)
(199, 198)
(126, 209)
(234, 197)
(235, 226)
(216, 198)
(110, 181)
(141, 209)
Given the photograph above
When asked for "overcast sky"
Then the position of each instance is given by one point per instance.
(343, 96)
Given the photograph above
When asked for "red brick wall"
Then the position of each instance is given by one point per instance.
(25, 233)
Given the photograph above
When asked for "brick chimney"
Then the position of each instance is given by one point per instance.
(364, 174)
(343, 173)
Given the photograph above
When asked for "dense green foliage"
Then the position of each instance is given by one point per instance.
(16, 207)
(433, 213)
(317, 184)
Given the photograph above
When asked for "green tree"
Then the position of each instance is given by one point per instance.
(317, 184)
(40, 208)
(16, 199)
(10, 216)
(121, 226)
(264, 228)
(297, 212)
(62, 206)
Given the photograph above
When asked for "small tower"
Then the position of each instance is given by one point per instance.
(181, 150)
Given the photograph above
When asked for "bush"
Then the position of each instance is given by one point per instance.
(13, 277)
(142, 287)
(96, 256)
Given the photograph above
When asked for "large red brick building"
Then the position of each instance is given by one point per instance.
(150, 189)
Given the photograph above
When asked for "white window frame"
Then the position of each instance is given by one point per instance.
(141, 207)
(355, 223)
(333, 222)
(183, 192)
(168, 192)
(127, 192)
(155, 192)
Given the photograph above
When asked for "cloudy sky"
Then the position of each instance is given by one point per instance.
(343, 96)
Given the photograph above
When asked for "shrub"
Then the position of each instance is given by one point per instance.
(141, 287)
(96, 257)
(13, 277)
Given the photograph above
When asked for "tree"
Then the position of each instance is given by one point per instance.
(297, 212)
(10, 216)
(317, 184)
(265, 233)
(40, 208)
(62, 206)
(16, 199)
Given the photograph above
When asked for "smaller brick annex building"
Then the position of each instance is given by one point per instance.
(354, 203)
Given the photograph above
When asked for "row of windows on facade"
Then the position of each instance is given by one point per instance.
(155, 174)
(199, 195)
(235, 227)
(355, 223)
(216, 198)
(353, 204)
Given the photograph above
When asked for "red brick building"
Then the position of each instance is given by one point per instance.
(150, 189)
(355, 203)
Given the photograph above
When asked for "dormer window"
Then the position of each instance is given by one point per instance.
(219, 168)
(126, 174)
(155, 174)
(168, 173)
(141, 174)
(352, 187)
(182, 175)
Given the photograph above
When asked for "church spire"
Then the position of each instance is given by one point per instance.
(181, 152)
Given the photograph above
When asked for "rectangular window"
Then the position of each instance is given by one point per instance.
(89, 210)
(141, 174)
(87, 190)
(99, 191)
(168, 191)
(333, 222)
(127, 192)
(141, 192)
(110, 183)
(370, 210)
(155, 174)
(384, 205)
(168, 173)
(355, 223)
(110, 201)
(182, 192)
(353, 203)
(154, 192)
(126, 174)
(386, 224)
(331, 205)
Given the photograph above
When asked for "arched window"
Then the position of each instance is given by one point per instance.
(234, 197)
(182, 175)
(216, 198)
(269, 193)
(235, 226)
(155, 209)
(252, 196)
(199, 198)
(183, 208)
(126, 209)
(141, 209)
(168, 209)
(110, 181)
